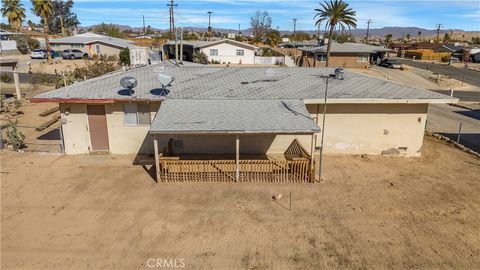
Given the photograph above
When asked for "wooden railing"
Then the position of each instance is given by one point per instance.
(225, 170)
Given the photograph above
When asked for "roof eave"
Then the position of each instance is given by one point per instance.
(382, 101)
(230, 132)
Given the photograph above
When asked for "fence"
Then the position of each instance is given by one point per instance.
(225, 170)
(273, 60)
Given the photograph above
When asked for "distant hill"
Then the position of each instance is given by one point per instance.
(397, 32)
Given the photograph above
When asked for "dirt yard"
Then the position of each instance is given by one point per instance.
(92, 212)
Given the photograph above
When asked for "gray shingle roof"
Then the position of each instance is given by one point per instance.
(178, 116)
(91, 37)
(206, 82)
(347, 47)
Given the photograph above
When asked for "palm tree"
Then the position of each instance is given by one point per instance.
(14, 11)
(419, 34)
(335, 12)
(44, 9)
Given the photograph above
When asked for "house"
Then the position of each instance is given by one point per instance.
(92, 43)
(455, 49)
(221, 51)
(211, 121)
(8, 45)
(347, 55)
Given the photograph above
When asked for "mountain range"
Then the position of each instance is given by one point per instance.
(397, 32)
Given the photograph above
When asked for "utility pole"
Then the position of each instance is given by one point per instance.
(209, 29)
(368, 27)
(61, 24)
(143, 17)
(295, 28)
(172, 17)
(438, 31)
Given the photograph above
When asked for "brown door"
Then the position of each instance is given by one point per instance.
(97, 123)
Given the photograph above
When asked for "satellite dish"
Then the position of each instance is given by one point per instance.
(164, 79)
(128, 82)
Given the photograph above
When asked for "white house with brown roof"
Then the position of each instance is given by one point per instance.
(225, 51)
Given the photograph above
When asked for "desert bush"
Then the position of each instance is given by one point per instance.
(22, 44)
(15, 138)
(5, 78)
(90, 70)
(124, 57)
(200, 58)
(33, 43)
(112, 58)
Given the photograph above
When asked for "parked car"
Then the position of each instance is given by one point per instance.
(390, 63)
(74, 54)
(40, 54)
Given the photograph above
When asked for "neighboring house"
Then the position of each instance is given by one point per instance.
(221, 51)
(302, 44)
(7, 43)
(346, 55)
(226, 116)
(453, 48)
(92, 43)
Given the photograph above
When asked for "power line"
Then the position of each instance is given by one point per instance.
(171, 5)
(438, 26)
(294, 27)
(209, 29)
(368, 27)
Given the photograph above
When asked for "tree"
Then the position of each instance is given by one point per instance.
(335, 12)
(300, 36)
(62, 11)
(446, 37)
(476, 40)
(200, 58)
(109, 30)
(408, 36)
(14, 11)
(124, 57)
(260, 23)
(273, 37)
(44, 9)
(388, 38)
(419, 33)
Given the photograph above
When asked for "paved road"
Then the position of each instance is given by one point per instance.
(445, 119)
(471, 96)
(471, 77)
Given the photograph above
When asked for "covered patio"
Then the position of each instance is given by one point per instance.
(233, 141)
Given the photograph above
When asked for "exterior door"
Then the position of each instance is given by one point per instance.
(97, 123)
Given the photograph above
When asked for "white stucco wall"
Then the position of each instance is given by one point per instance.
(123, 139)
(372, 128)
(227, 53)
(350, 129)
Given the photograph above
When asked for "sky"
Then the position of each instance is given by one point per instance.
(460, 14)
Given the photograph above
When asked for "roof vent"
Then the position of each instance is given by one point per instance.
(270, 72)
(339, 73)
(128, 83)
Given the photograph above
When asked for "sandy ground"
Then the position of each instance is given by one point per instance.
(91, 212)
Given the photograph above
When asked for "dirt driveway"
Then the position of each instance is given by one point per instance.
(92, 212)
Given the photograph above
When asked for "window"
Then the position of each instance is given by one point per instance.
(240, 52)
(213, 52)
(322, 57)
(362, 58)
(136, 114)
(97, 48)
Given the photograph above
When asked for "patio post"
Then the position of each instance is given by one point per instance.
(237, 158)
(157, 161)
(312, 158)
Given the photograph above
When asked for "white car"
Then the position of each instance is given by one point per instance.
(39, 54)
